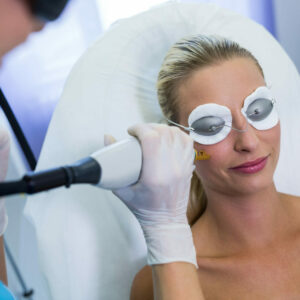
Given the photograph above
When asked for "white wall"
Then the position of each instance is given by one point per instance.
(287, 17)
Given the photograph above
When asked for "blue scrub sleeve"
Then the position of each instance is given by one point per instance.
(5, 294)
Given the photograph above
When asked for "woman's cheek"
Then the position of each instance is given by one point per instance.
(219, 155)
(274, 137)
(209, 161)
(271, 142)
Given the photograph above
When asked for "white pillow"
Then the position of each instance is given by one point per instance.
(90, 245)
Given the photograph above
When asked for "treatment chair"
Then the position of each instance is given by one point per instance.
(90, 245)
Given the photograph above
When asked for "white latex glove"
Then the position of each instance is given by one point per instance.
(4, 155)
(159, 199)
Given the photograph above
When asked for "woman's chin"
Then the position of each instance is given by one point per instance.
(252, 184)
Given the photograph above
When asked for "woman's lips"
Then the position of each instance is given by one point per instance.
(251, 166)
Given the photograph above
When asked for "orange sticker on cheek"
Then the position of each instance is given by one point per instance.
(201, 155)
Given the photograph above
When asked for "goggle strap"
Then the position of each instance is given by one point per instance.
(181, 126)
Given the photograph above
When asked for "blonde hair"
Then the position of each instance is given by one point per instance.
(182, 60)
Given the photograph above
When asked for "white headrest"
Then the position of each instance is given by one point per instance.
(90, 244)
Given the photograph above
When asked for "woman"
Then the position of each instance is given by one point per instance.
(246, 234)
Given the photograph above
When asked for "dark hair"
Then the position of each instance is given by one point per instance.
(47, 10)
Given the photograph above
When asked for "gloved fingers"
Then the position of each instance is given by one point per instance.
(185, 145)
(143, 131)
(152, 135)
(154, 132)
(168, 153)
(149, 136)
(108, 139)
(171, 134)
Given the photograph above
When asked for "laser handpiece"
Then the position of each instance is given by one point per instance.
(114, 166)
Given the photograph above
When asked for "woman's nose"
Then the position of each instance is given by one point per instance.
(246, 139)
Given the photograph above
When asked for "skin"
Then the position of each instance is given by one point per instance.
(248, 240)
(16, 23)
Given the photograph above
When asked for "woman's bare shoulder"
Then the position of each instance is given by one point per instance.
(142, 286)
(292, 202)
(290, 199)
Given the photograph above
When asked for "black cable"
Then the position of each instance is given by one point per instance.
(86, 170)
(17, 186)
(17, 131)
(12, 187)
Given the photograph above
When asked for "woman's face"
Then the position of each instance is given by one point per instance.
(228, 84)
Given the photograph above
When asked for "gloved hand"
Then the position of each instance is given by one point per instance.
(159, 199)
(4, 155)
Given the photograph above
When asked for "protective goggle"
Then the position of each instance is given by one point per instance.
(211, 123)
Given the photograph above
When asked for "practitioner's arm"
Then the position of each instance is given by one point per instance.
(166, 281)
(3, 276)
(159, 201)
(176, 281)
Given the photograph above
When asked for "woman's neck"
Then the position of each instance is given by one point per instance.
(245, 222)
